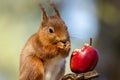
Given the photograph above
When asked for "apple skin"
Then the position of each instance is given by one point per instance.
(84, 60)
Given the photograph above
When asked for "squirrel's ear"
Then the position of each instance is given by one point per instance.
(45, 18)
(55, 9)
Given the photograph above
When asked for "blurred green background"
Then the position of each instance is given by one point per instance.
(19, 19)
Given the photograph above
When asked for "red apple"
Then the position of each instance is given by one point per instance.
(84, 60)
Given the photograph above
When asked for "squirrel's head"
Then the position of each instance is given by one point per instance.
(53, 29)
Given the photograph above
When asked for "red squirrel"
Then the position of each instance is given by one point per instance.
(44, 55)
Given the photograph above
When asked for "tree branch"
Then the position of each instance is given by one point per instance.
(82, 76)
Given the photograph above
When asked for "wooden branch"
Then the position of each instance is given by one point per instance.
(82, 76)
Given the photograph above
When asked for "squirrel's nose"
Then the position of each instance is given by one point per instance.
(64, 42)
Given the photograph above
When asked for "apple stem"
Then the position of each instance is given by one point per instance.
(90, 42)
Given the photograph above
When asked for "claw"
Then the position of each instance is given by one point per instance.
(60, 45)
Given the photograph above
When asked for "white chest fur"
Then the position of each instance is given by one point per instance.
(53, 67)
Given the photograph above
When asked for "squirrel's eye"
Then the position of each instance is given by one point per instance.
(51, 30)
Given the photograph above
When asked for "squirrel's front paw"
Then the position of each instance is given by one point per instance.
(64, 45)
(67, 45)
(60, 45)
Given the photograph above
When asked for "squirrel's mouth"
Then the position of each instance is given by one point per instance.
(63, 42)
(55, 42)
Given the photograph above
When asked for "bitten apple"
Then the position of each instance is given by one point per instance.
(84, 60)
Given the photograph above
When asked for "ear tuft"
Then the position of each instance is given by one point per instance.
(55, 9)
(45, 18)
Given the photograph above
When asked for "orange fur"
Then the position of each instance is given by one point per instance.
(43, 56)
